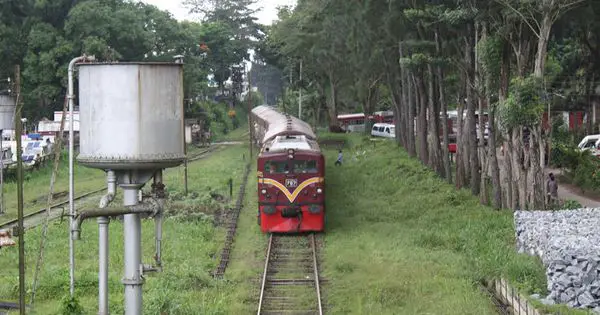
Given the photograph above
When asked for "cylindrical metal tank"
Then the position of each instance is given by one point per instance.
(8, 105)
(131, 115)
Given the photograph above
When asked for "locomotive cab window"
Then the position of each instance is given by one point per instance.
(304, 167)
(277, 167)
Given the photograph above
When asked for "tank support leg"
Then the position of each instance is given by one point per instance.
(132, 279)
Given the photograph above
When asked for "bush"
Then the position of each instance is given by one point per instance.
(585, 173)
(566, 156)
(571, 204)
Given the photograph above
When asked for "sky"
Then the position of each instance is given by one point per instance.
(266, 16)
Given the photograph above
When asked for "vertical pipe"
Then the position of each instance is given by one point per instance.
(18, 130)
(185, 173)
(158, 220)
(103, 222)
(71, 184)
(1, 174)
(103, 265)
(71, 96)
(132, 279)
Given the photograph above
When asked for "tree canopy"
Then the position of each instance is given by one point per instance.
(512, 59)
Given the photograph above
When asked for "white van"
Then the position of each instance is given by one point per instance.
(590, 142)
(383, 130)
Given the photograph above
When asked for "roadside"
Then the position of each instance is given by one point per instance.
(571, 192)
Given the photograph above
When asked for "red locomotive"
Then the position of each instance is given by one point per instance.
(291, 173)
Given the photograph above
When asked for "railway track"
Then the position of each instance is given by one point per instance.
(32, 216)
(291, 283)
(232, 227)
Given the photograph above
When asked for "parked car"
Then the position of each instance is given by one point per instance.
(383, 130)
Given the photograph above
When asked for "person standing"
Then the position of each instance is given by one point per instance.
(339, 159)
(552, 189)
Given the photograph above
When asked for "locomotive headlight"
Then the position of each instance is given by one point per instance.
(269, 209)
(263, 191)
(319, 190)
(314, 208)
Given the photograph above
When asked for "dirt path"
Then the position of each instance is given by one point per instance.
(568, 191)
(565, 191)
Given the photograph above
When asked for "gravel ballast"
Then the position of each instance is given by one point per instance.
(568, 242)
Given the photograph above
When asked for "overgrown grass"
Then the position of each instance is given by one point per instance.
(401, 241)
(191, 246)
(37, 184)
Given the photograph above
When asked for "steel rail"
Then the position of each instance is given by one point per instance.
(9, 223)
(58, 205)
(264, 279)
(315, 266)
(272, 261)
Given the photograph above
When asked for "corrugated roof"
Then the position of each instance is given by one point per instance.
(281, 124)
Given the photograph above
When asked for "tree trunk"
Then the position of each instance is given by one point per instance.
(481, 150)
(462, 157)
(540, 58)
(471, 132)
(410, 117)
(332, 108)
(434, 133)
(444, 107)
(508, 183)
(422, 126)
(493, 159)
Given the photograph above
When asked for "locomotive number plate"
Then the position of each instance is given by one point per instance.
(291, 182)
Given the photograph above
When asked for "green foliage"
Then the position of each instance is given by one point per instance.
(571, 204)
(524, 106)
(490, 54)
(43, 36)
(71, 306)
(214, 116)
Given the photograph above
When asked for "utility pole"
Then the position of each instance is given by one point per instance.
(250, 129)
(300, 94)
(21, 230)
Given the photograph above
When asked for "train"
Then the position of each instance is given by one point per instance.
(291, 173)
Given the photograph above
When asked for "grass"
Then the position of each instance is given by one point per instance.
(234, 135)
(37, 184)
(401, 241)
(398, 241)
(191, 245)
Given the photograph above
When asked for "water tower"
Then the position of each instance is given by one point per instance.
(8, 105)
(131, 126)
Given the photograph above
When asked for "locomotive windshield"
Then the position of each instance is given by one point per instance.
(298, 167)
(278, 167)
(303, 167)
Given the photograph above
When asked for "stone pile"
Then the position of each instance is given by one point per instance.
(568, 242)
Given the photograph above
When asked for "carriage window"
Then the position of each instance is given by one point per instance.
(277, 167)
(304, 167)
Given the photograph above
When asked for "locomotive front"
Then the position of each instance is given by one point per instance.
(291, 186)
(291, 174)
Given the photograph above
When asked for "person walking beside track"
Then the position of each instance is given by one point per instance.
(339, 159)
(552, 190)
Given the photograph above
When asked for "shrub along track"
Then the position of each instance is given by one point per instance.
(290, 282)
(232, 227)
